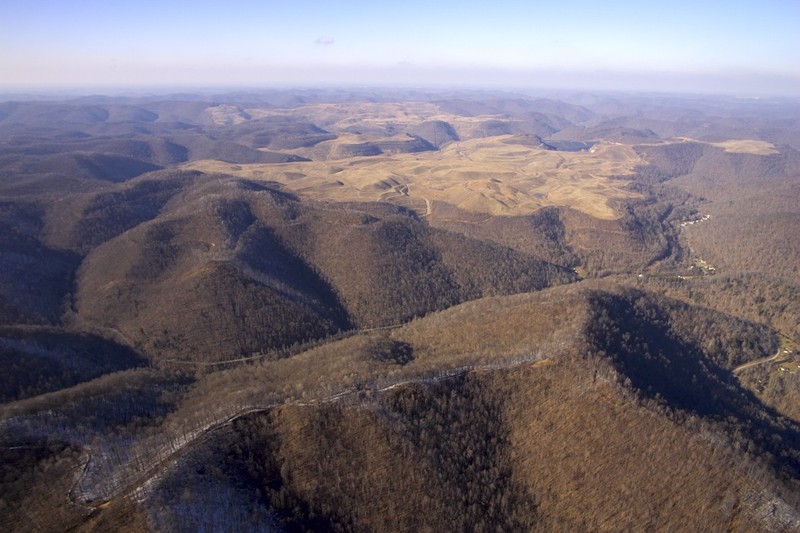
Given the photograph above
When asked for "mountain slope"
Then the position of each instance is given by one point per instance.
(572, 437)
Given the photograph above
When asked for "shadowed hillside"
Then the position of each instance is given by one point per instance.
(89, 166)
(95, 218)
(279, 134)
(436, 132)
(234, 288)
(662, 363)
(34, 279)
(405, 268)
(39, 360)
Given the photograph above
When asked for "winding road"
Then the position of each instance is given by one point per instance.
(137, 480)
(751, 364)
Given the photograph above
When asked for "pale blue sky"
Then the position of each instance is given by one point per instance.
(729, 46)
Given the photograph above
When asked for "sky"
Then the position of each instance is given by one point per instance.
(732, 47)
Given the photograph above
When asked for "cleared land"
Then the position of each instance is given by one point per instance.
(740, 146)
(747, 146)
(492, 170)
(496, 176)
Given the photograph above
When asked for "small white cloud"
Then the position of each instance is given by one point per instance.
(325, 40)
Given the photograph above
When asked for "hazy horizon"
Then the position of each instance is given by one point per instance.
(739, 48)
